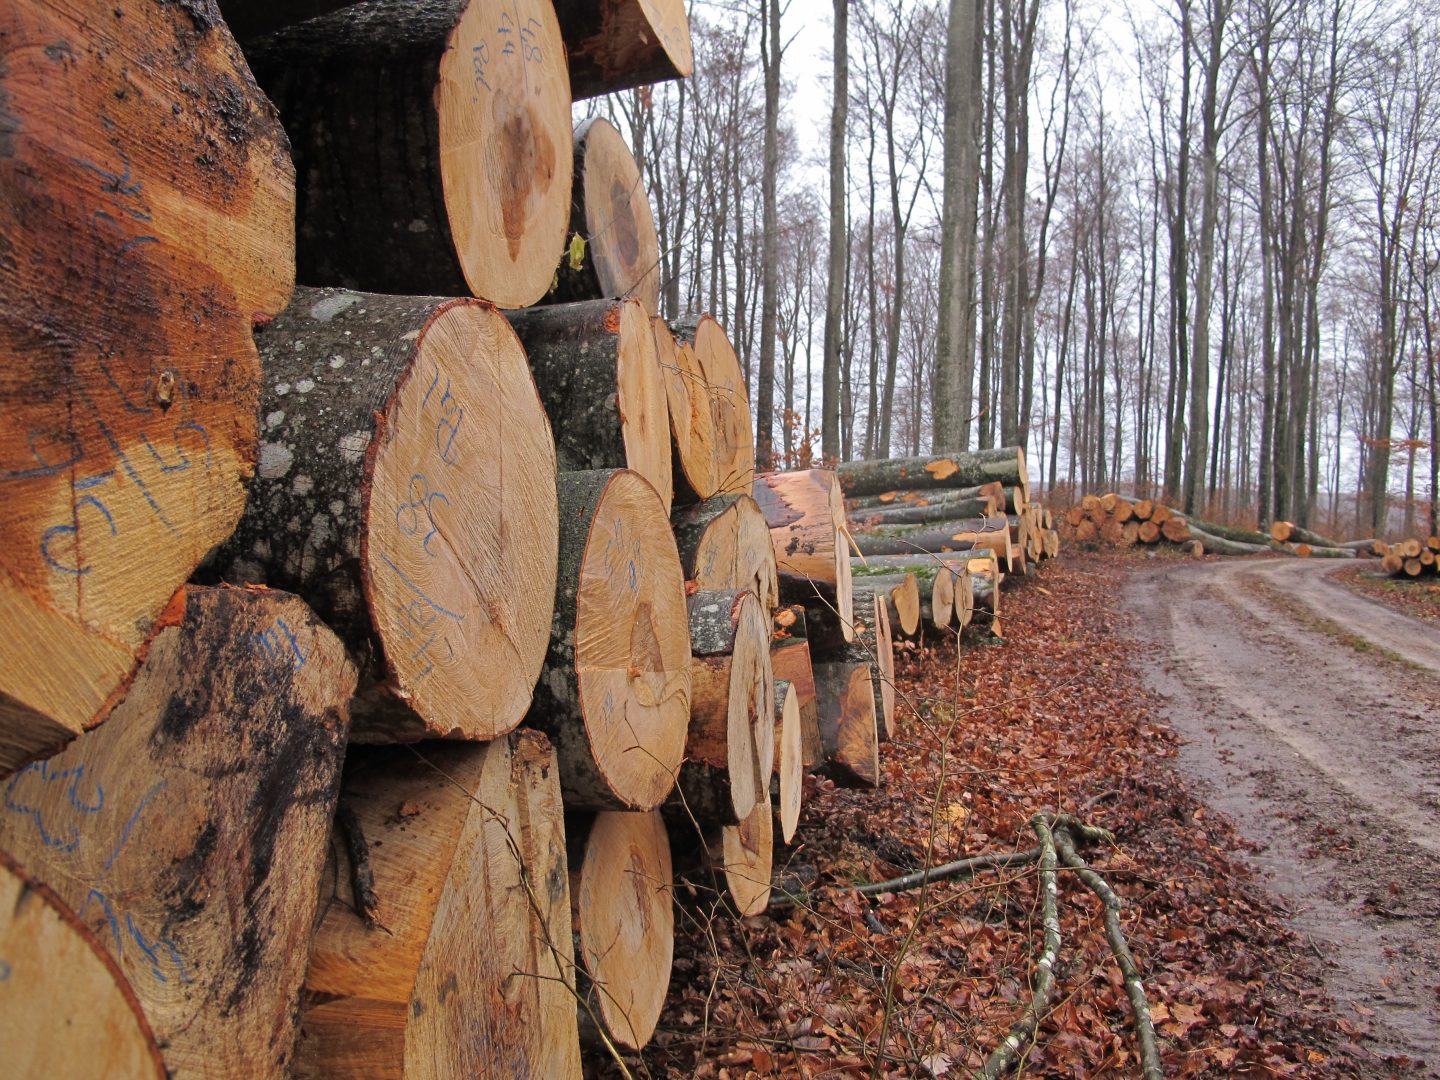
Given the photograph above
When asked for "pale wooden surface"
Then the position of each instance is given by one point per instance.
(806, 515)
(789, 757)
(147, 217)
(748, 851)
(692, 428)
(66, 1009)
(469, 973)
(616, 44)
(188, 831)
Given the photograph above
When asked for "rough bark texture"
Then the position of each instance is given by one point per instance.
(807, 530)
(249, 19)
(66, 1009)
(617, 44)
(790, 661)
(599, 377)
(406, 490)
(432, 141)
(189, 831)
(724, 543)
(469, 969)
(692, 428)
(957, 470)
(846, 712)
(952, 536)
(615, 694)
(908, 514)
(142, 231)
(613, 249)
(730, 744)
(621, 886)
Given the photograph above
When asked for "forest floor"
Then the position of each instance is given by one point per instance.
(1419, 597)
(1242, 931)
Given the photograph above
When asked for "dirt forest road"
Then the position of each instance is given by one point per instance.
(1312, 718)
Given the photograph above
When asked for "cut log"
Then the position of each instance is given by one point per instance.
(615, 695)
(1006, 465)
(846, 714)
(1160, 513)
(890, 500)
(899, 592)
(807, 530)
(724, 543)
(746, 854)
(406, 490)
(432, 141)
(599, 375)
(1218, 545)
(1148, 533)
(1144, 508)
(621, 886)
(189, 831)
(789, 757)
(467, 968)
(145, 208)
(964, 593)
(66, 1008)
(985, 579)
(790, 661)
(692, 427)
(613, 250)
(873, 638)
(938, 607)
(734, 435)
(935, 539)
(1288, 531)
(618, 44)
(1392, 564)
(1175, 529)
(909, 514)
(1231, 532)
(730, 745)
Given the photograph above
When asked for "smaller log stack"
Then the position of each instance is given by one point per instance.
(1417, 557)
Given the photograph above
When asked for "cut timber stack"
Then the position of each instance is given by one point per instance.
(1412, 558)
(406, 488)
(146, 201)
(189, 831)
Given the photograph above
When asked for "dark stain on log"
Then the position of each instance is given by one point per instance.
(622, 223)
(645, 653)
(185, 897)
(527, 159)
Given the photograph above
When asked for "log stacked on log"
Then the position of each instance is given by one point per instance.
(1412, 558)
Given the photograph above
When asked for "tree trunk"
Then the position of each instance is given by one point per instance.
(771, 51)
(143, 231)
(836, 261)
(730, 744)
(724, 543)
(613, 250)
(729, 405)
(1006, 465)
(467, 967)
(384, 103)
(618, 44)
(807, 530)
(789, 757)
(920, 514)
(692, 427)
(598, 373)
(623, 915)
(615, 695)
(385, 498)
(1218, 545)
(188, 833)
(937, 538)
(898, 592)
(894, 500)
(65, 1007)
(790, 661)
(846, 712)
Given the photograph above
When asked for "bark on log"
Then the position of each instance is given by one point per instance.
(406, 490)
(144, 229)
(985, 578)
(1006, 465)
(790, 660)
(899, 592)
(189, 831)
(789, 757)
(730, 744)
(846, 713)
(918, 515)
(692, 427)
(950, 536)
(621, 886)
(618, 44)
(724, 543)
(599, 376)
(613, 249)
(734, 434)
(66, 1008)
(875, 640)
(1284, 531)
(1175, 529)
(432, 141)
(1218, 545)
(250, 19)
(468, 971)
(615, 695)
(1232, 532)
(807, 530)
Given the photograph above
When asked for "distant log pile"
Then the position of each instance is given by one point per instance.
(525, 555)
(1413, 558)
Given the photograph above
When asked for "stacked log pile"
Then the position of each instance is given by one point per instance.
(461, 497)
(1414, 557)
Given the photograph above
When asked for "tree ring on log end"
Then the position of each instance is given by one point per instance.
(505, 164)
(626, 922)
(730, 409)
(789, 756)
(749, 851)
(692, 428)
(632, 643)
(461, 508)
(619, 224)
(672, 26)
(644, 411)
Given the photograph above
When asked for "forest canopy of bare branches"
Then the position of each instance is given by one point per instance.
(1188, 247)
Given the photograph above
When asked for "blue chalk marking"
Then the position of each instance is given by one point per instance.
(155, 789)
(4, 971)
(420, 592)
(43, 467)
